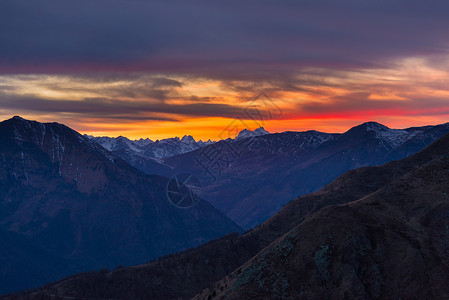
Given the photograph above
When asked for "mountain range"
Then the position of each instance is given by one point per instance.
(164, 148)
(148, 155)
(378, 232)
(69, 205)
(157, 150)
(250, 179)
(390, 244)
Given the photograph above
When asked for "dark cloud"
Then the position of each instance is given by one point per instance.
(226, 39)
(360, 103)
(132, 86)
(128, 51)
(119, 109)
(203, 99)
(348, 103)
(163, 81)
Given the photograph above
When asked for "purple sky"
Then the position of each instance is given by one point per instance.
(282, 47)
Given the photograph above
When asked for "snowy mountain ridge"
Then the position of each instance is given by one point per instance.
(393, 137)
(164, 148)
(246, 133)
(158, 149)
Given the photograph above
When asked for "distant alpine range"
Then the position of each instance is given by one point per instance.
(378, 232)
(73, 203)
(252, 176)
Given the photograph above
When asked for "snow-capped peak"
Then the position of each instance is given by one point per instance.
(374, 126)
(188, 139)
(143, 142)
(245, 133)
(394, 137)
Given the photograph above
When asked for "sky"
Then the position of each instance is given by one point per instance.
(159, 69)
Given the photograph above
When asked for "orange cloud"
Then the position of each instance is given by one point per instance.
(411, 92)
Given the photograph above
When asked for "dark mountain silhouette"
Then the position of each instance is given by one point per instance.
(391, 244)
(251, 179)
(384, 227)
(69, 201)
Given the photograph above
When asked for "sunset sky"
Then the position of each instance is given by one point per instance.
(159, 69)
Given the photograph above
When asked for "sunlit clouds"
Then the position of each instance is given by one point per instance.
(411, 92)
(166, 68)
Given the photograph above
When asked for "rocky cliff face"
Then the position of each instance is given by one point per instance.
(77, 202)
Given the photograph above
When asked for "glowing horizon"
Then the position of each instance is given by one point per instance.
(158, 106)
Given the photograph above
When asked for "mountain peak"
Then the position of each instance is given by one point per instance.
(32, 123)
(188, 139)
(246, 133)
(374, 126)
(18, 119)
(30, 128)
(261, 130)
(368, 127)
